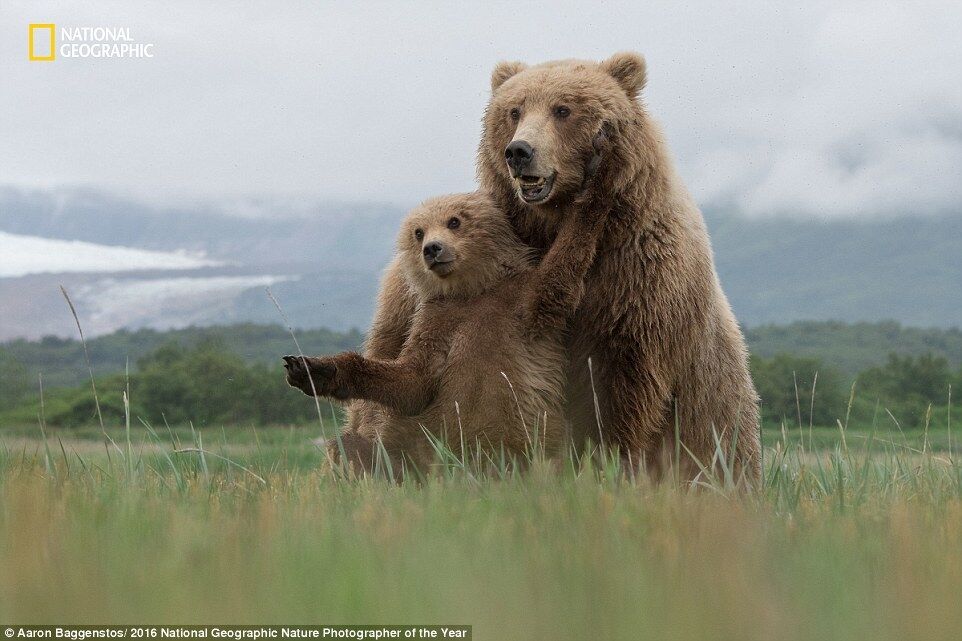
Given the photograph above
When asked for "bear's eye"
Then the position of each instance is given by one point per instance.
(515, 114)
(561, 111)
(419, 234)
(454, 222)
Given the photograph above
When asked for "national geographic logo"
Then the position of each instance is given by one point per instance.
(42, 45)
(84, 42)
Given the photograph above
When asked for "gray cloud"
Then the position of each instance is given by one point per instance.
(833, 108)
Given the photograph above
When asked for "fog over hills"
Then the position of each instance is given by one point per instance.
(144, 266)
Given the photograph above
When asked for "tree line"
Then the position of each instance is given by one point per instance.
(233, 376)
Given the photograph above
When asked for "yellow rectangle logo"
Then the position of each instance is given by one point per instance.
(42, 42)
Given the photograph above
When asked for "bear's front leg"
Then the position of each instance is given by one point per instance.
(405, 385)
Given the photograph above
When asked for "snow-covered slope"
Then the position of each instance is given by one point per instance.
(21, 255)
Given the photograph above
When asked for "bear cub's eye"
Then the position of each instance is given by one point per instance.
(515, 114)
(561, 111)
(419, 234)
(454, 222)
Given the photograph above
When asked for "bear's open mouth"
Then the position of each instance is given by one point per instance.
(535, 189)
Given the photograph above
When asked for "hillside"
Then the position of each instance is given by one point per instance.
(850, 348)
(779, 270)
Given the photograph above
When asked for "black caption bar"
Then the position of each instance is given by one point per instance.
(236, 632)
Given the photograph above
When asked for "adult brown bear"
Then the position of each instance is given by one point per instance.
(666, 354)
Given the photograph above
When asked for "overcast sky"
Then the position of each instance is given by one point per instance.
(831, 108)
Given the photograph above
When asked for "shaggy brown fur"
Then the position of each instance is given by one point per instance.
(484, 360)
(666, 351)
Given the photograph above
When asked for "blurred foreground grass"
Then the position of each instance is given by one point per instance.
(846, 540)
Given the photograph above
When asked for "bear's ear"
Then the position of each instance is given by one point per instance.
(504, 70)
(628, 69)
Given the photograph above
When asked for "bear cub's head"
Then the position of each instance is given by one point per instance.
(458, 245)
(542, 123)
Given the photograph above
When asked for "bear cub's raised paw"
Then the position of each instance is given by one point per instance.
(298, 376)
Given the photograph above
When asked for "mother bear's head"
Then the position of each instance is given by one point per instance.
(542, 121)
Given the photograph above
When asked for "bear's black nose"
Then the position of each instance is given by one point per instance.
(519, 155)
(432, 251)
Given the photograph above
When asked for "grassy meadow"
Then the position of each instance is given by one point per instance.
(852, 536)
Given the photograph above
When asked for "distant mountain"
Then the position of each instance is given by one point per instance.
(323, 260)
(777, 270)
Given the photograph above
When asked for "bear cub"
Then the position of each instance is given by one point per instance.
(483, 364)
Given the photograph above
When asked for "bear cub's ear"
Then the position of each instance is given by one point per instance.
(504, 70)
(629, 70)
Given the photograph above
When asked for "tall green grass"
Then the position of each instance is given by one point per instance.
(860, 540)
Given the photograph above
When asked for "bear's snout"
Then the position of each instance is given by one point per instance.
(519, 155)
(433, 252)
